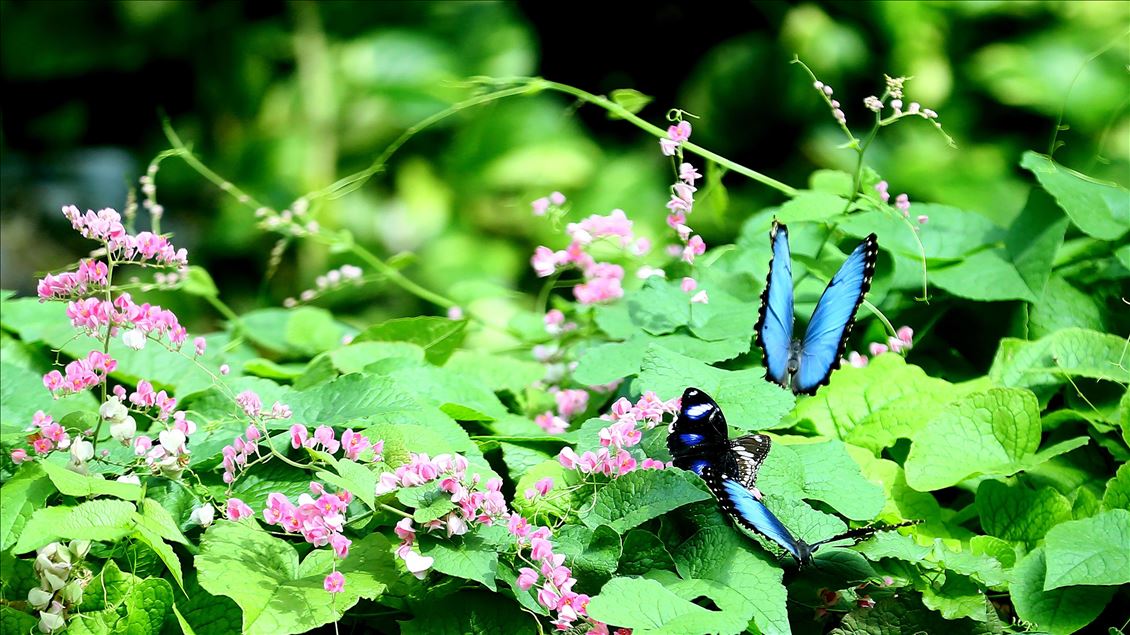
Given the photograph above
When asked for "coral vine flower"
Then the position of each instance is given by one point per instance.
(334, 582)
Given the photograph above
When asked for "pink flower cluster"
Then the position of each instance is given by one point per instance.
(319, 520)
(554, 580)
(902, 202)
(169, 456)
(837, 112)
(145, 397)
(543, 204)
(902, 341)
(239, 452)
(142, 320)
(48, 435)
(105, 225)
(602, 281)
(681, 203)
(353, 443)
(570, 402)
(614, 459)
(92, 276)
(81, 374)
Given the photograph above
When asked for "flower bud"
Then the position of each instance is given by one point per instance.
(39, 598)
(50, 622)
(123, 429)
(72, 593)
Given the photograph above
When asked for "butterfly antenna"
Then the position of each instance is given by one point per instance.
(863, 533)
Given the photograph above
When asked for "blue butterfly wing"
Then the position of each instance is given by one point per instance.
(831, 322)
(698, 437)
(751, 513)
(775, 320)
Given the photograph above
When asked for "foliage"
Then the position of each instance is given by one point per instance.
(502, 466)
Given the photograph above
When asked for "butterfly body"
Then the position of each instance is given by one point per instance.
(802, 365)
(698, 441)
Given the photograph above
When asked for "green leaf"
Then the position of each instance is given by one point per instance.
(989, 432)
(875, 405)
(986, 276)
(629, 99)
(468, 613)
(1062, 306)
(208, 614)
(458, 395)
(1101, 210)
(22, 394)
(303, 332)
(1046, 364)
(1033, 239)
(750, 402)
(143, 611)
(469, 557)
(100, 519)
(608, 362)
(811, 206)
(358, 355)
(1117, 494)
(951, 235)
(439, 337)
(659, 307)
(163, 551)
(643, 551)
(1018, 513)
(355, 477)
(830, 475)
(1058, 611)
(277, 594)
(21, 495)
(1091, 551)
(199, 282)
(642, 495)
(494, 371)
(13, 621)
(720, 555)
(591, 554)
(348, 398)
(428, 502)
(905, 613)
(647, 607)
(957, 597)
(86, 486)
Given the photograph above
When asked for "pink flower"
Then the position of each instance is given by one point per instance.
(598, 290)
(689, 285)
(527, 578)
(354, 443)
(625, 462)
(923, 219)
(857, 360)
(405, 531)
(685, 192)
(340, 545)
(676, 220)
(700, 297)
(298, 436)
(387, 483)
(250, 402)
(571, 402)
(455, 313)
(906, 334)
(548, 598)
(677, 205)
(225, 369)
(334, 582)
(544, 261)
(903, 204)
(695, 247)
(881, 188)
(688, 174)
(551, 423)
(557, 198)
(652, 464)
(540, 206)
(554, 317)
(237, 509)
(679, 132)
(668, 147)
(518, 526)
(544, 485)
(877, 349)
(19, 455)
(53, 380)
(540, 548)
(200, 345)
(142, 444)
(324, 436)
(568, 458)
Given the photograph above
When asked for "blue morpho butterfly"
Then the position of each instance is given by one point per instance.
(699, 441)
(804, 365)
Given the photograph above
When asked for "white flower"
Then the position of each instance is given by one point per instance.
(113, 410)
(81, 450)
(50, 622)
(172, 440)
(39, 598)
(203, 515)
(123, 430)
(134, 338)
(129, 478)
(416, 564)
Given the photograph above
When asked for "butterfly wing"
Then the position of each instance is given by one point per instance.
(749, 453)
(775, 319)
(698, 437)
(831, 322)
(741, 505)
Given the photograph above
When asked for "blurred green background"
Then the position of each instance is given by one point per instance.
(284, 98)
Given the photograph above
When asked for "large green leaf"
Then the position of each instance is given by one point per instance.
(1099, 209)
(642, 495)
(439, 337)
(89, 486)
(1018, 513)
(1058, 611)
(1047, 363)
(21, 495)
(100, 519)
(1090, 551)
(276, 592)
(749, 402)
(648, 607)
(468, 613)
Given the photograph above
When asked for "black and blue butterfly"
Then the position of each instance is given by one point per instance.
(698, 440)
(804, 365)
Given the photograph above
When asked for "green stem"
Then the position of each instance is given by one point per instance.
(400, 279)
(227, 312)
